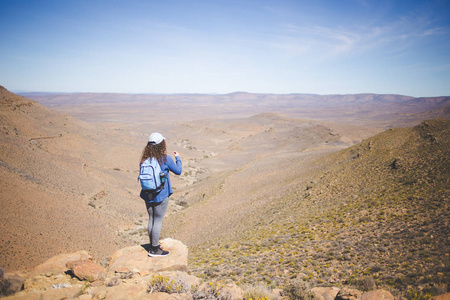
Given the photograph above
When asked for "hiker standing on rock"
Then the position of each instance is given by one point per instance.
(157, 199)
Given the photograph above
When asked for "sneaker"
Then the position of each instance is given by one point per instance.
(157, 251)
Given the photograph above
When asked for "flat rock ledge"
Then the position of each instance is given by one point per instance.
(131, 274)
(78, 276)
(135, 259)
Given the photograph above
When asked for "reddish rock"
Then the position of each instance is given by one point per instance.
(57, 264)
(378, 295)
(87, 270)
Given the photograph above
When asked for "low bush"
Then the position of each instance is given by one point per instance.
(297, 290)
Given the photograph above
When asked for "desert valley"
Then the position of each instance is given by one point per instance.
(326, 190)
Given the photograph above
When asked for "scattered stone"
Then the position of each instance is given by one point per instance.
(122, 270)
(38, 283)
(378, 295)
(64, 293)
(348, 294)
(57, 264)
(10, 283)
(325, 293)
(98, 292)
(445, 296)
(113, 282)
(87, 270)
(144, 273)
(129, 275)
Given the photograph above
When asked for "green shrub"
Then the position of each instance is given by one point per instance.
(416, 294)
(297, 290)
(164, 284)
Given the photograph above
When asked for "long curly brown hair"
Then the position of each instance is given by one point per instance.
(157, 151)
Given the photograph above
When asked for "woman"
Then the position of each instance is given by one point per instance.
(157, 203)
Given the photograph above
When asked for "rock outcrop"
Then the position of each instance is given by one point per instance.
(445, 296)
(131, 274)
(378, 295)
(10, 283)
(128, 276)
(134, 259)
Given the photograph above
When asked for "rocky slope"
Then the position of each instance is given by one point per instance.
(131, 274)
(65, 184)
(373, 215)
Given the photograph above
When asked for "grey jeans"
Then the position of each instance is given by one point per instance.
(156, 212)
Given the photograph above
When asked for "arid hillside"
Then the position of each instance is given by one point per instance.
(69, 185)
(65, 184)
(373, 215)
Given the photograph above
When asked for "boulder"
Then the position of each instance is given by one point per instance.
(10, 283)
(325, 293)
(63, 293)
(87, 270)
(348, 294)
(42, 283)
(378, 295)
(136, 259)
(38, 283)
(124, 291)
(57, 264)
(24, 296)
(445, 296)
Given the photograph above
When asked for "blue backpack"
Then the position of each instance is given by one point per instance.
(151, 176)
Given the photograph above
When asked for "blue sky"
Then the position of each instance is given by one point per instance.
(207, 46)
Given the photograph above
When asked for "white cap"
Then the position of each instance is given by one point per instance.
(155, 138)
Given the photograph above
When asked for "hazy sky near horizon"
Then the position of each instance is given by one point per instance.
(207, 46)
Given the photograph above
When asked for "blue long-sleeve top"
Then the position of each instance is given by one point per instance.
(166, 166)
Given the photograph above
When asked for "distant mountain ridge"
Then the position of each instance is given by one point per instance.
(52, 97)
(393, 110)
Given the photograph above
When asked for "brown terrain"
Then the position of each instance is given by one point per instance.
(274, 187)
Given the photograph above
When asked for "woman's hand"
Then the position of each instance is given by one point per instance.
(176, 153)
